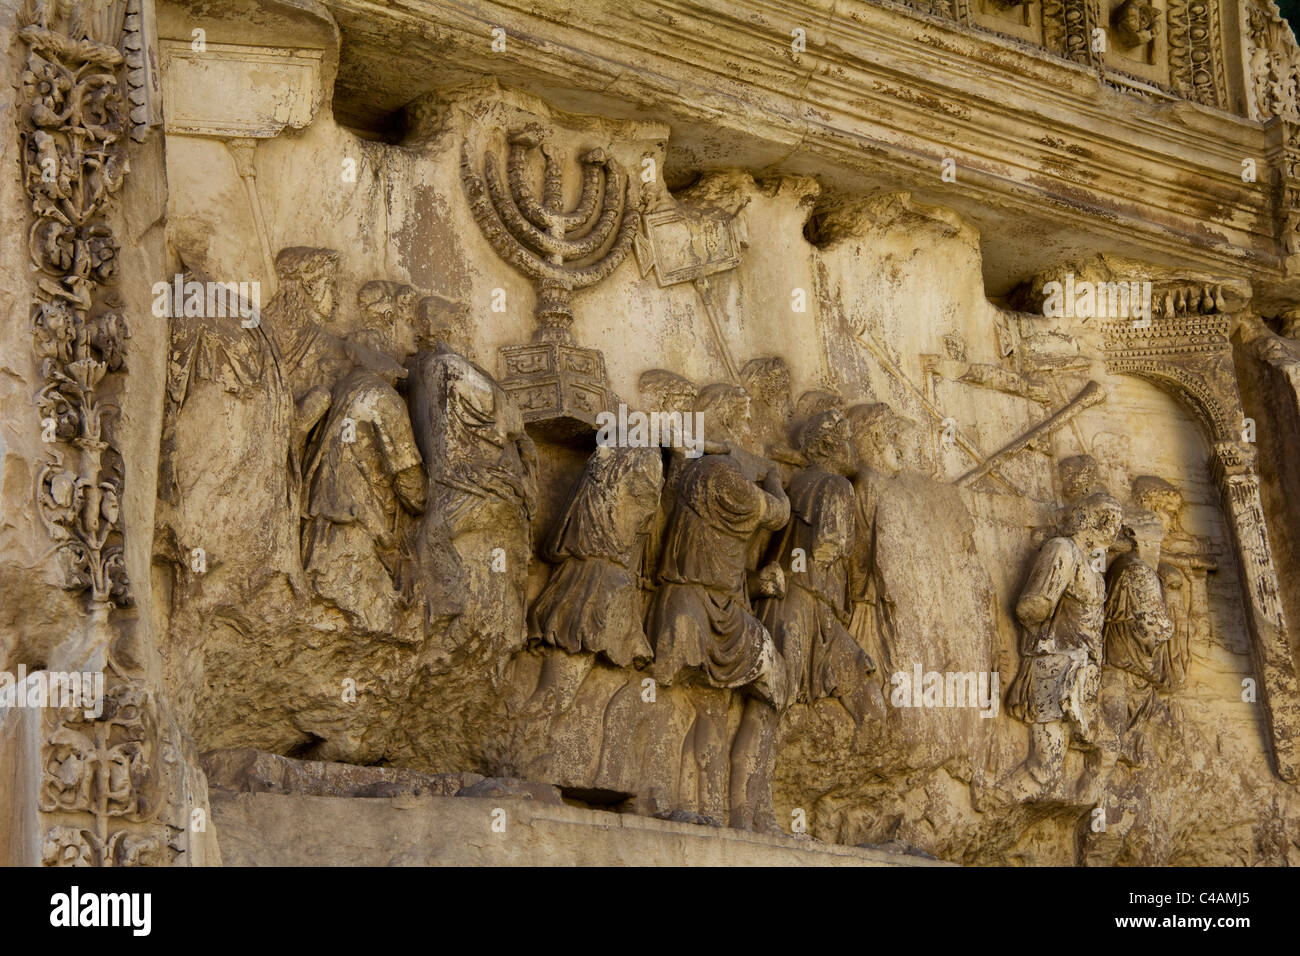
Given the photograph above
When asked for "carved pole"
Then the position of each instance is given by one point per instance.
(1091, 394)
(242, 150)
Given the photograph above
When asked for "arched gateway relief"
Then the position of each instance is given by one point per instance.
(1185, 350)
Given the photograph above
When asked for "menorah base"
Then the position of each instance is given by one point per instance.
(559, 388)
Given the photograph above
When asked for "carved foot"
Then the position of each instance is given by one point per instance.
(1018, 786)
(689, 816)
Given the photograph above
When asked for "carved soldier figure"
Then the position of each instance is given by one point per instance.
(592, 601)
(1137, 625)
(474, 542)
(1061, 609)
(875, 431)
(363, 472)
(808, 622)
(1184, 562)
(700, 622)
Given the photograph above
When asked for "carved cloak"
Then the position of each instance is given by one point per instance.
(809, 622)
(592, 601)
(1059, 677)
(700, 619)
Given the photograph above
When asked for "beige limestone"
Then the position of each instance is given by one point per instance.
(360, 548)
(269, 830)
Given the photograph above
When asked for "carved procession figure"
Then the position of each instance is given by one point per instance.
(875, 432)
(363, 472)
(473, 545)
(808, 620)
(1137, 627)
(257, 389)
(700, 621)
(1062, 610)
(1184, 562)
(592, 601)
(668, 393)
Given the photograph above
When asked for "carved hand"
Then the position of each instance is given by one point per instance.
(771, 581)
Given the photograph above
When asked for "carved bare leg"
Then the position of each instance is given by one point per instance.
(753, 759)
(1047, 744)
(711, 753)
(557, 684)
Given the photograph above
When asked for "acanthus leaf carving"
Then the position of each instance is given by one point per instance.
(74, 161)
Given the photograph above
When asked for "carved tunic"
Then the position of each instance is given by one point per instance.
(1062, 610)
(474, 543)
(352, 499)
(872, 624)
(1138, 633)
(700, 618)
(1174, 656)
(254, 481)
(311, 356)
(592, 601)
(1137, 621)
(808, 624)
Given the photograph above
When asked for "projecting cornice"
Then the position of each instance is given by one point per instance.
(1052, 158)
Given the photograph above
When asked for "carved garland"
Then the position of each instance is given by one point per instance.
(73, 161)
(110, 793)
(1195, 66)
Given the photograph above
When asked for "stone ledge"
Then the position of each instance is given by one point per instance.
(264, 829)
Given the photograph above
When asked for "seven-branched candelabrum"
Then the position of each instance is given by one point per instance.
(560, 250)
(72, 129)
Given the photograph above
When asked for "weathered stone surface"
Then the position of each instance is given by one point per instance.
(291, 830)
(255, 771)
(874, 422)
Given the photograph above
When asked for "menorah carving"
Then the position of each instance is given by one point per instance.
(562, 251)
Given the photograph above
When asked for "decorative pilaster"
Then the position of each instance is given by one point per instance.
(1233, 467)
(1195, 61)
(71, 126)
(1272, 62)
(114, 789)
(1287, 184)
(114, 782)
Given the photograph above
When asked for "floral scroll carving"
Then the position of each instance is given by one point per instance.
(72, 128)
(103, 779)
